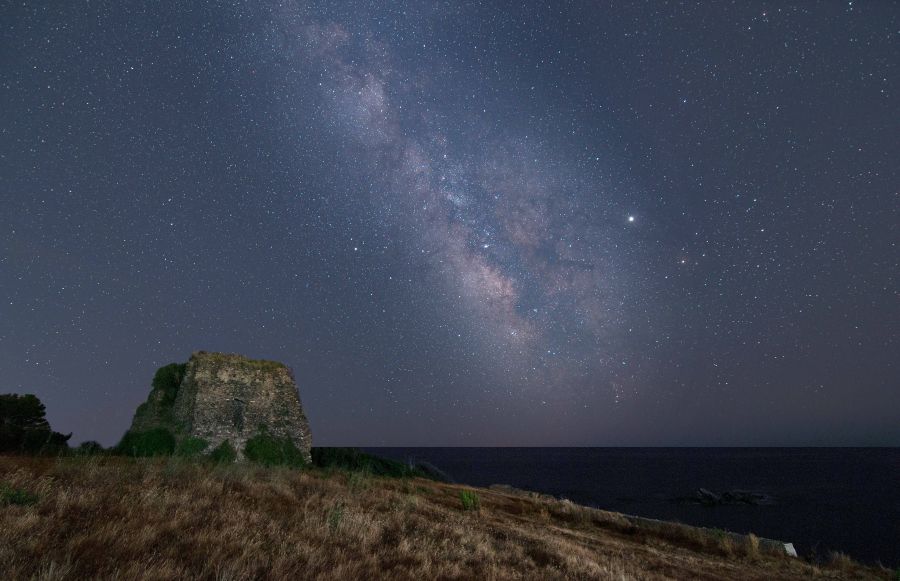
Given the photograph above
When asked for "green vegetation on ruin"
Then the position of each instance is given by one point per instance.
(158, 411)
(269, 450)
(191, 447)
(154, 430)
(224, 453)
(236, 359)
(155, 442)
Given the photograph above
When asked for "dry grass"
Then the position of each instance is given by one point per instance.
(840, 561)
(105, 517)
(751, 545)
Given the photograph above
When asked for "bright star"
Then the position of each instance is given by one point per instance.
(631, 218)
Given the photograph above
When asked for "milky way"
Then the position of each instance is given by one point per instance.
(502, 226)
(463, 225)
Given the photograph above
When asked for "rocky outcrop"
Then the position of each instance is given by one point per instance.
(218, 397)
(709, 498)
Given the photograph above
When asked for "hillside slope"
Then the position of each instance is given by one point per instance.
(74, 518)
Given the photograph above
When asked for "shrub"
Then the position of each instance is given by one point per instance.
(726, 545)
(358, 481)
(156, 442)
(355, 460)
(191, 447)
(470, 500)
(335, 514)
(224, 453)
(270, 450)
(47, 443)
(90, 448)
(14, 496)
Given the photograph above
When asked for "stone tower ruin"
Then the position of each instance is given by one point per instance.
(218, 397)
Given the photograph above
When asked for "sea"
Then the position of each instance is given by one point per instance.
(821, 499)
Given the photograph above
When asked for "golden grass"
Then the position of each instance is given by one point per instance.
(840, 561)
(107, 517)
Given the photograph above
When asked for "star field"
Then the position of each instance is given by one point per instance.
(563, 224)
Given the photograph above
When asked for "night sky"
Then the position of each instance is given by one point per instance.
(640, 223)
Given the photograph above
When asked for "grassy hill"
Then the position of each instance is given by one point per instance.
(167, 518)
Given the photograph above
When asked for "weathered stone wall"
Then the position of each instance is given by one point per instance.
(230, 397)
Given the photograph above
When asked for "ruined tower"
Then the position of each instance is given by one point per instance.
(218, 397)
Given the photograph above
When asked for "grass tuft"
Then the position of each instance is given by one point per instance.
(751, 545)
(839, 561)
(334, 517)
(470, 500)
(16, 497)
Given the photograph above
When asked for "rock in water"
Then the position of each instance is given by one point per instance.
(217, 397)
(708, 497)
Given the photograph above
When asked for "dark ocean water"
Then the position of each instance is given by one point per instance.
(845, 499)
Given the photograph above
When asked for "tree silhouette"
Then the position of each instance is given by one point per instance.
(24, 428)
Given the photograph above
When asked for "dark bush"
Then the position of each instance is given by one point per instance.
(90, 448)
(191, 447)
(224, 453)
(156, 442)
(356, 460)
(273, 451)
